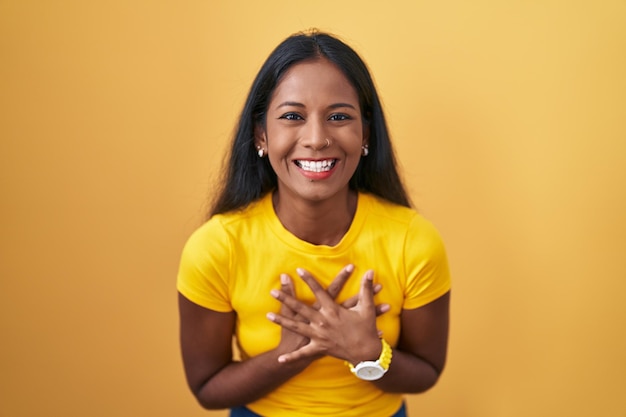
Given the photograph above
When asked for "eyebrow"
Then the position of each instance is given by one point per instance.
(297, 104)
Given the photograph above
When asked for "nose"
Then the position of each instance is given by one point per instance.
(315, 135)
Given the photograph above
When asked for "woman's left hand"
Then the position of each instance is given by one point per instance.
(344, 332)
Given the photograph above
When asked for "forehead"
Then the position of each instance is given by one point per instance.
(315, 81)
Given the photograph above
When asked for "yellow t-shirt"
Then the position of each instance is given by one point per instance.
(235, 259)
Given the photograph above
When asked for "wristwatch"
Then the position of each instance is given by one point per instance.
(373, 370)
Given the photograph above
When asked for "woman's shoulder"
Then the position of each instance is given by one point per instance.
(231, 222)
(386, 214)
(386, 209)
(252, 210)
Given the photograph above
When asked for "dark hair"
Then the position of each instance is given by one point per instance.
(248, 177)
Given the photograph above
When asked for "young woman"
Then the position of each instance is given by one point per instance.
(333, 289)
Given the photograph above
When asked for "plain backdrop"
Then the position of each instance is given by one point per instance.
(509, 119)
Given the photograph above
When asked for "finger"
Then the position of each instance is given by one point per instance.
(340, 280)
(286, 286)
(306, 351)
(377, 288)
(352, 301)
(320, 294)
(366, 294)
(295, 326)
(382, 309)
(338, 283)
(297, 307)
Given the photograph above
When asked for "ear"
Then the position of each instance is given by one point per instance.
(260, 138)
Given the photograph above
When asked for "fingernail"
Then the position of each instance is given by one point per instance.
(274, 293)
(281, 359)
(300, 271)
(369, 275)
(378, 287)
(385, 308)
(271, 316)
(349, 268)
(284, 279)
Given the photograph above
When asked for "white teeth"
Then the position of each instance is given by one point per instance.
(316, 166)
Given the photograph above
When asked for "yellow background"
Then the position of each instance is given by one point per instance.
(510, 123)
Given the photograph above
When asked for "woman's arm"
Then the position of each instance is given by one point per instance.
(206, 342)
(350, 334)
(420, 356)
(214, 378)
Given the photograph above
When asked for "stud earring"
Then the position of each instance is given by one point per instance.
(261, 152)
(364, 150)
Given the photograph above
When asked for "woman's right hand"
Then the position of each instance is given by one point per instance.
(292, 341)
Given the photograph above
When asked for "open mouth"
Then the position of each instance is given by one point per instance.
(316, 166)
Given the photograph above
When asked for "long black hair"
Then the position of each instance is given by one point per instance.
(248, 177)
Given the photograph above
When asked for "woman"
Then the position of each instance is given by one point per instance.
(311, 189)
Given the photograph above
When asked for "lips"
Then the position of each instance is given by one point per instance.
(316, 166)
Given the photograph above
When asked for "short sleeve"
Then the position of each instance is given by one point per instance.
(203, 275)
(426, 261)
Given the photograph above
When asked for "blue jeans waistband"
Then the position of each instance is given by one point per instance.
(245, 412)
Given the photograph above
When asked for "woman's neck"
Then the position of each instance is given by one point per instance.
(317, 222)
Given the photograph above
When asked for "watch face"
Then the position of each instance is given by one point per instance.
(370, 372)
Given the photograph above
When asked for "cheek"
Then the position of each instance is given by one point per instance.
(356, 140)
(278, 164)
(280, 140)
(278, 153)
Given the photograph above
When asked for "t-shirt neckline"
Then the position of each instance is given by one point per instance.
(290, 239)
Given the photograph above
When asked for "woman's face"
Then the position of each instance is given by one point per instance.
(313, 132)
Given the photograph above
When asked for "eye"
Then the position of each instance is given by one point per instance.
(291, 116)
(338, 117)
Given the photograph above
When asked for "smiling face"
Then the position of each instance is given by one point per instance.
(313, 132)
